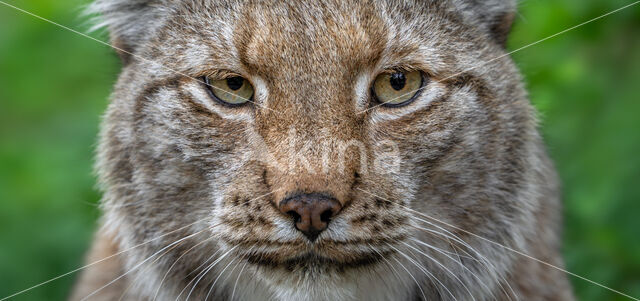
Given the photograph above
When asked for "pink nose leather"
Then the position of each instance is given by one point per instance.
(311, 212)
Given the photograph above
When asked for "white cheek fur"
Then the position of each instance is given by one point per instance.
(261, 93)
(361, 91)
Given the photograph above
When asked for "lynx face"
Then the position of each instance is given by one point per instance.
(290, 141)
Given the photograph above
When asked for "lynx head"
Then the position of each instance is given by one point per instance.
(319, 150)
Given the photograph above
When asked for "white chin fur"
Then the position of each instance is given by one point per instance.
(352, 286)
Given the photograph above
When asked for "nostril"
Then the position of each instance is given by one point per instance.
(295, 215)
(326, 215)
(311, 213)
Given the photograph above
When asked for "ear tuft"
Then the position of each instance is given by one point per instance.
(130, 22)
(493, 16)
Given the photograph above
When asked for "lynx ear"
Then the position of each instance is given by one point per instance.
(130, 22)
(494, 16)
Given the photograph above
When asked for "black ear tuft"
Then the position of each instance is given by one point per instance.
(130, 22)
(493, 16)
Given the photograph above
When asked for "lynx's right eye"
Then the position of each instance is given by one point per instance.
(232, 91)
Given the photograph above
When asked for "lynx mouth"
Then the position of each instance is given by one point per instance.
(315, 260)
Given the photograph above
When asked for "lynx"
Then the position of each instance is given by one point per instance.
(321, 150)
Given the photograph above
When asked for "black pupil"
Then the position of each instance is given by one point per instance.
(235, 83)
(397, 81)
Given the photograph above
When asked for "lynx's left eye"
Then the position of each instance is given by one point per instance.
(397, 88)
(233, 91)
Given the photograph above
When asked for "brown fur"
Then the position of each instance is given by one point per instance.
(466, 153)
(103, 272)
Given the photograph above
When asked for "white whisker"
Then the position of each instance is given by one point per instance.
(201, 275)
(216, 280)
(491, 268)
(120, 252)
(429, 274)
(444, 236)
(205, 271)
(174, 263)
(443, 267)
(138, 265)
(100, 260)
(206, 262)
(240, 273)
(453, 236)
(145, 270)
(459, 262)
(395, 272)
(414, 278)
(233, 292)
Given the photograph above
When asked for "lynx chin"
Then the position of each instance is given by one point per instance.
(320, 150)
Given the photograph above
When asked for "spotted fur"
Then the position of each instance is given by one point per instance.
(465, 155)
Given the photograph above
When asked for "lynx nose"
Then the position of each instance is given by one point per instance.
(311, 212)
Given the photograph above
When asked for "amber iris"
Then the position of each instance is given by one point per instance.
(397, 88)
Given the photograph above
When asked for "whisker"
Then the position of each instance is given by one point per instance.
(453, 235)
(138, 265)
(206, 262)
(233, 292)
(444, 236)
(484, 261)
(118, 253)
(174, 263)
(429, 274)
(455, 250)
(145, 270)
(490, 266)
(395, 272)
(458, 240)
(446, 233)
(216, 280)
(459, 262)
(101, 260)
(411, 275)
(116, 206)
(229, 274)
(200, 278)
(201, 273)
(240, 273)
(205, 271)
(443, 267)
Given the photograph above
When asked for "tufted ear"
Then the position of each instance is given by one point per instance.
(130, 22)
(494, 16)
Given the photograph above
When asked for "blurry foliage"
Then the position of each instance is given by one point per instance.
(54, 86)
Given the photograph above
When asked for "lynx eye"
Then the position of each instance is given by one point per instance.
(397, 88)
(232, 91)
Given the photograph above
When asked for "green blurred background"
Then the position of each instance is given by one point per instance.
(54, 86)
